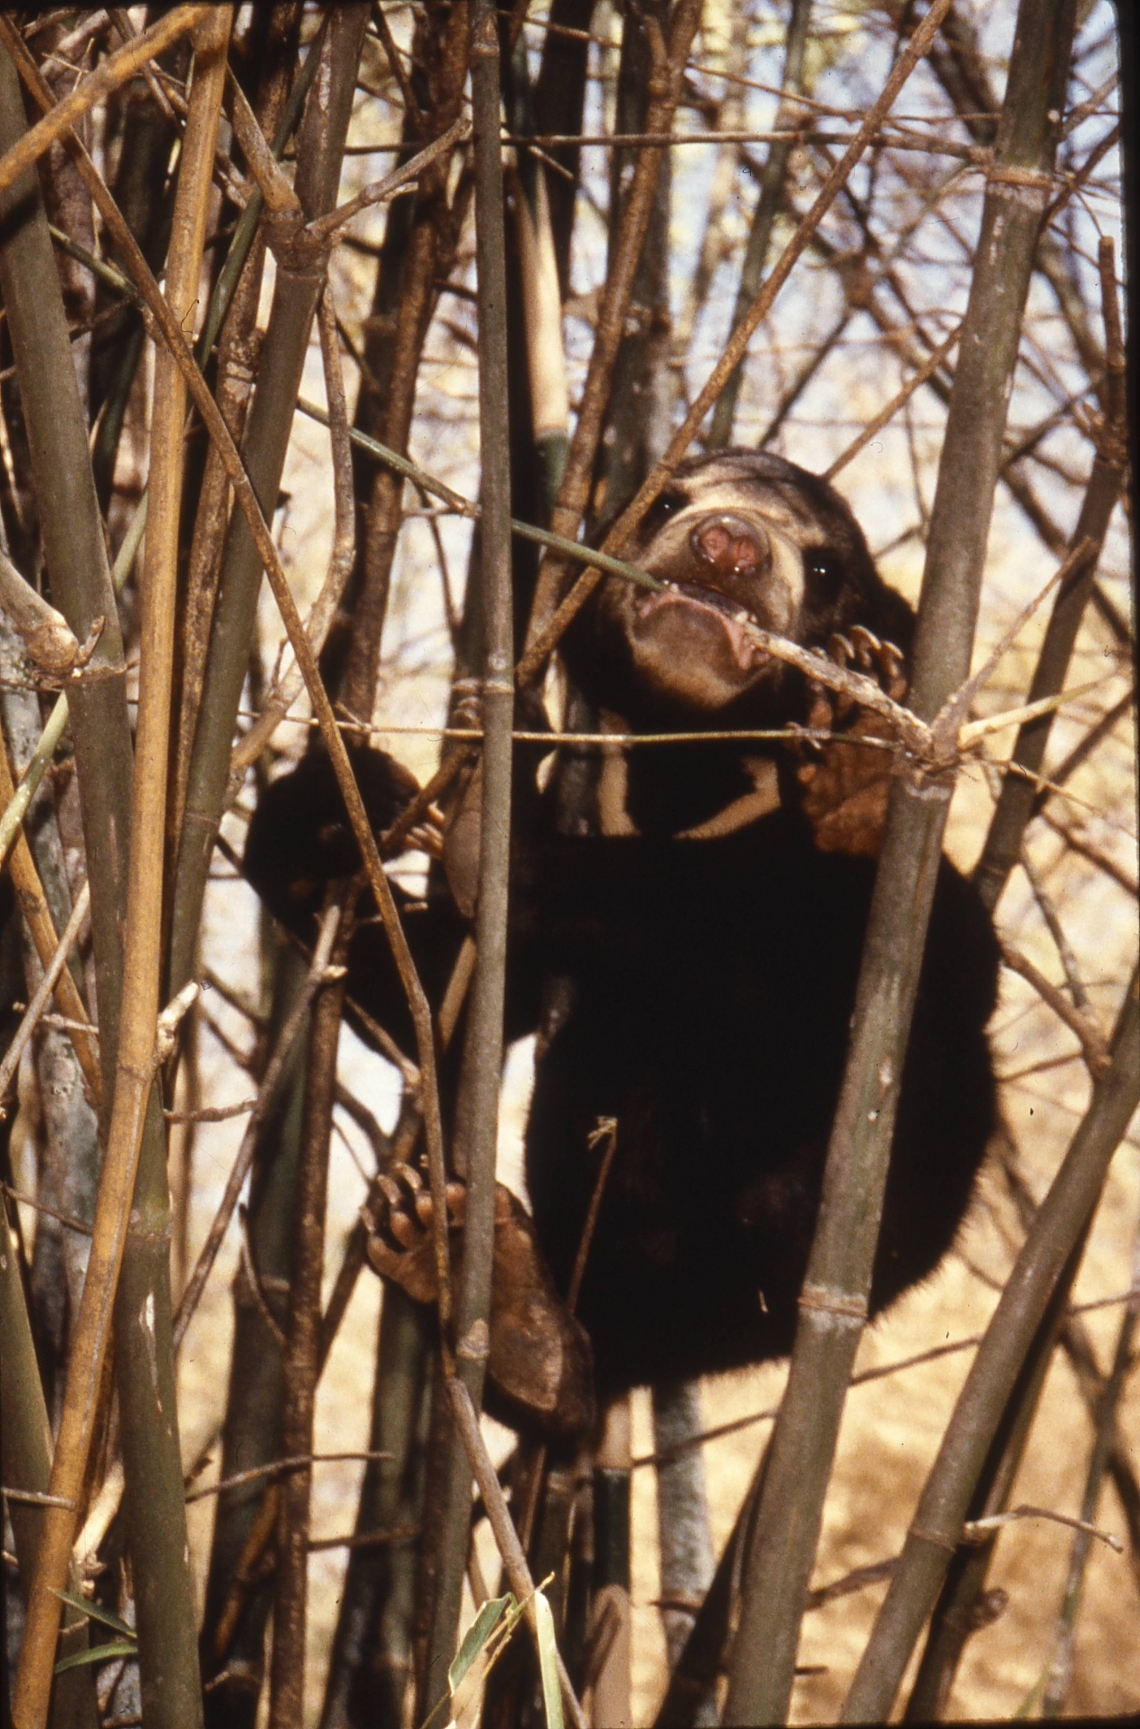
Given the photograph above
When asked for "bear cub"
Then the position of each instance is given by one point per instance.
(708, 948)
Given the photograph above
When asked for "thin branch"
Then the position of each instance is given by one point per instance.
(287, 688)
(43, 993)
(266, 1092)
(1079, 1021)
(34, 906)
(280, 198)
(325, 227)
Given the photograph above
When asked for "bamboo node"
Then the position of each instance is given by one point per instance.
(833, 1302)
(939, 1540)
(1004, 174)
(475, 1345)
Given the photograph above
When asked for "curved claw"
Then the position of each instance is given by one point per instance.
(892, 663)
(866, 645)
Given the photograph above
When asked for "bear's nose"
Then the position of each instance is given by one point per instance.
(726, 545)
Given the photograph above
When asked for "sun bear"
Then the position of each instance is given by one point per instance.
(711, 946)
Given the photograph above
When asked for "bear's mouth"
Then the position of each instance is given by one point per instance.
(713, 621)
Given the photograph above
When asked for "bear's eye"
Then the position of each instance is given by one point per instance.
(659, 512)
(824, 573)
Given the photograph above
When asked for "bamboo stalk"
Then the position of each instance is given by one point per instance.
(303, 1339)
(1018, 794)
(960, 1609)
(406, 291)
(478, 1109)
(107, 78)
(167, 1648)
(238, 1598)
(514, 1561)
(266, 1096)
(34, 906)
(55, 966)
(233, 313)
(25, 1466)
(75, 551)
(1061, 1670)
(626, 252)
(834, 1301)
(371, 1654)
(937, 1525)
(764, 215)
(280, 699)
(300, 276)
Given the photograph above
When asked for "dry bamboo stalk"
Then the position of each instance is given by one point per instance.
(143, 278)
(137, 1057)
(281, 698)
(112, 74)
(514, 1561)
(317, 975)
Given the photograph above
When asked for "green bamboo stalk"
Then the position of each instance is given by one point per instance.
(834, 1302)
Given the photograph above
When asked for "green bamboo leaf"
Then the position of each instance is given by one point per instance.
(548, 1662)
(96, 1613)
(477, 1636)
(474, 1641)
(99, 1654)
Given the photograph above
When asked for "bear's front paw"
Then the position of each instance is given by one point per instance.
(398, 1220)
(845, 781)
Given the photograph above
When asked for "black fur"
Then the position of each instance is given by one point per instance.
(711, 981)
